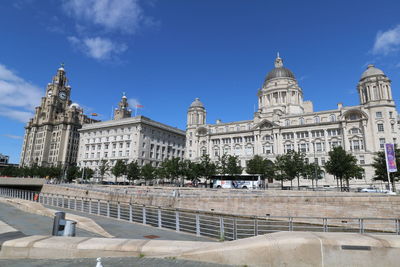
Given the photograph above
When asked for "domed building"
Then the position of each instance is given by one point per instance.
(284, 122)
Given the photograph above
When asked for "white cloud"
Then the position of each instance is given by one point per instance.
(387, 42)
(18, 97)
(97, 47)
(121, 15)
(12, 136)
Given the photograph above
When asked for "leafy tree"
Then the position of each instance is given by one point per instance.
(233, 165)
(264, 167)
(191, 171)
(291, 165)
(172, 169)
(73, 172)
(118, 169)
(313, 172)
(148, 172)
(133, 171)
(85, 173)
(222, 164)
(343, 165)
(379, 165)
(103, 168)
(207, 167)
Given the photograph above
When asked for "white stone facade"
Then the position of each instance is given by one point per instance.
(130, 138)
(285, 122)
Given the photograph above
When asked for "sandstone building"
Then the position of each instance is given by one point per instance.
(51, 136)
(130, 139)
(285, 122)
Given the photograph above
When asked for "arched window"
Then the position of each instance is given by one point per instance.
(301, 121)
(317, 119)
(287, 122)
(332, 118)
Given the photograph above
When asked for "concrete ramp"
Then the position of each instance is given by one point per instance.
(304, 249)
(278, 249)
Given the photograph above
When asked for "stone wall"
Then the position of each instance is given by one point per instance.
(245, 202)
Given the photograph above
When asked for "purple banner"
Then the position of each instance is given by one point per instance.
(390, 158)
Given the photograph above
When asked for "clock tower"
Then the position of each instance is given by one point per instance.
(51, 136)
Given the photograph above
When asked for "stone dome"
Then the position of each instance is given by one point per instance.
(197, 103)
(279, 71)
(75, 105)
(371, 71)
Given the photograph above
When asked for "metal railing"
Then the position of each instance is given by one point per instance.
(214, 225)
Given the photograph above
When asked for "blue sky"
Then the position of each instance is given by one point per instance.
(164, 53)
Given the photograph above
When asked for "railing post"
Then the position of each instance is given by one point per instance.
(144, 214)
(75, 208)
(98, 207)
(108, 208)
(290, 224)
(62, 201)
(90, 206)
(361, 225)
(325, 224)
(69, 202)
(82, 205)
(130, 212)
(397, 226)
(234, 229)
(221, 229)
(198, 233)
(177, 228)
(118, 211)
(159, 218)
(255, 227)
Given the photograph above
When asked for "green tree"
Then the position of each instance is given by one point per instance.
(85, 173)
(171, 168)
(148, 172)
(119, 169)
(132, 171)
(312, 171)
(343, 165)
(73, 172)
(191, 171)
(233, 165)
(103, 168)
(207, 167)
(379, 165)
(264, 167)
(291, 165)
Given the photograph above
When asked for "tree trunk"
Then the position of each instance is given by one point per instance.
(312, 183)
(341, 184)
(282, 184)
(393, 184)
(347, 185)
(337, 182)
(298, 183)
(291, 184)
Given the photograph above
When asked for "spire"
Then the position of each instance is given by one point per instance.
(278, 61)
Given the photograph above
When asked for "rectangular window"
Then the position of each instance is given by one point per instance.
(382, 143)
(380, 127)
(378, 114)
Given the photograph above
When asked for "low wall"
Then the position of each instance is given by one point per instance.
(260, 203)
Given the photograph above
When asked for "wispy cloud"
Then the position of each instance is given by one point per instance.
(121, 15)
(98, 48)
(387, 42)
(12, 136)
(18, 97)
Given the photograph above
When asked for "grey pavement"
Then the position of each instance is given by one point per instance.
(124, 229)
(31, 224)
(107, 262)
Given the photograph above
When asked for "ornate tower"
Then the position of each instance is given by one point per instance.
(51, 136)
(123, 110)
(196, 120)
(280, 92)
(374, 87)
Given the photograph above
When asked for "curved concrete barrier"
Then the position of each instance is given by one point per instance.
(278, 249)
